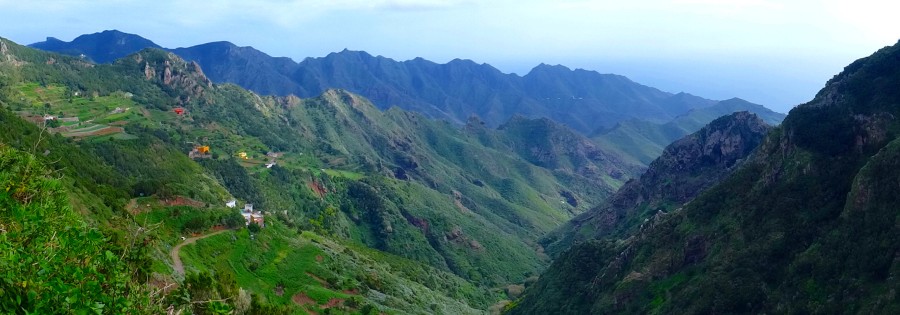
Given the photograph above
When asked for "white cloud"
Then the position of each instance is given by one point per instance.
(874, 20)
(418, 5)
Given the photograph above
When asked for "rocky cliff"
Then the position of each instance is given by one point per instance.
(686, 168)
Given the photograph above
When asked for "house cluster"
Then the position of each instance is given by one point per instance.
(250, 215)
(272, 156)
(200, 152)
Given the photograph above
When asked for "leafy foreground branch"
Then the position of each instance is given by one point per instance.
(50, 258)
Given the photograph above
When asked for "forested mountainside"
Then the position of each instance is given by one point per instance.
(360, 206)
(686, 168)
(582, 100)
(809, 224)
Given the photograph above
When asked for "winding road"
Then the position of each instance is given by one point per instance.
(176, 259)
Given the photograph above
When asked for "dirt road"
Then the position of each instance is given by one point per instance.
(176, 259)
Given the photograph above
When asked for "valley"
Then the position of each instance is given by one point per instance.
(216, 179)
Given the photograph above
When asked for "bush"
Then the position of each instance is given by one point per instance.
(52, 261)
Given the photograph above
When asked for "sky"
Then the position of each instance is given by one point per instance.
(775, 53)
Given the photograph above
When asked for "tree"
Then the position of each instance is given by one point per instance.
(253, 227)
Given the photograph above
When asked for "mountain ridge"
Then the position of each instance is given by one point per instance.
(581, 99)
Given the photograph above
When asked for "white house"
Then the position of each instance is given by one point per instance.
(231, 203)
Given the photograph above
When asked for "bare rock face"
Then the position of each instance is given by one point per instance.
(149, 72)
(167, 74)
(695, 162)
(3, 48)
(173, 71)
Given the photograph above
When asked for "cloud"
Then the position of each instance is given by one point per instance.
(418, 5)
(875, 20)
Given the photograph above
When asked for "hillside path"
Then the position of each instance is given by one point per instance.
(176, 259)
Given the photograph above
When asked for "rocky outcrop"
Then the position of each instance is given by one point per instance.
(686, 168)
(172, 71)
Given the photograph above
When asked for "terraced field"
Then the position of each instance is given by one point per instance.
(76, 115)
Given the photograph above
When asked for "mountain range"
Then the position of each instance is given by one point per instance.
(582, 100)
(118, 178)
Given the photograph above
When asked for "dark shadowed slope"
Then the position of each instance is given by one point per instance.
(686, 168)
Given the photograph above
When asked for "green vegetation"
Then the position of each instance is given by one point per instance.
(346, 176)
(646, 140)
(284, 268)
(807, 225)
(685, 169)
(52, 260)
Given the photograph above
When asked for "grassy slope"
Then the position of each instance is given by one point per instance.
(322, 270)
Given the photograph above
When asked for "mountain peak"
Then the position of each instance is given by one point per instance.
(101, 47)
(543, 67)
(347, 54)
(221, 43)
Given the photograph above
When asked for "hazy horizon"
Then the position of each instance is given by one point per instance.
(775, 54)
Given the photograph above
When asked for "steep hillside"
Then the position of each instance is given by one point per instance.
(44, 246)
(550, 145)
(244, 66)
(646, 140)
(415, 202)
(809, 225)
(686, 168)
(459, 196)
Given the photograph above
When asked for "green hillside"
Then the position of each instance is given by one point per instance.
(686, 168)
(808, 225)
(393, 202)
